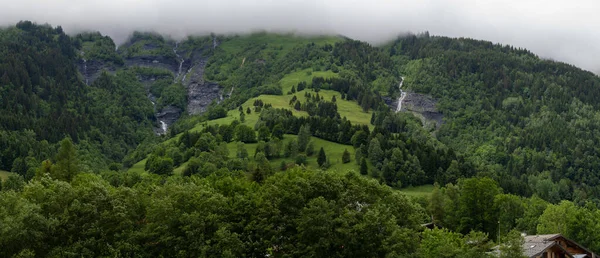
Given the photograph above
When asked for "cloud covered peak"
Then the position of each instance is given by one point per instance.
(561, 30)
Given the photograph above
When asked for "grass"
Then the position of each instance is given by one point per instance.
(5, 174)
(333, 151)
(418, 191)
(138, 167)
(349, 109)
(306, 75)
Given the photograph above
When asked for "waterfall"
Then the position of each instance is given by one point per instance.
(85, 72)
(402, 96)
(84, 68)
(214, 42)
(186, 74)
(163, 126)
(181, 60)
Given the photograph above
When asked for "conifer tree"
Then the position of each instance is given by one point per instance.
(321, 158)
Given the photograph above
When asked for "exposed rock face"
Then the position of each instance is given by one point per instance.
(425, 106)
(200, 92)
(91, 69)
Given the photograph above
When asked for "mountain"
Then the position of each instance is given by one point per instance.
(282, 145)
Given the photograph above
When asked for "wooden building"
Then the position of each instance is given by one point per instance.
(554, 246)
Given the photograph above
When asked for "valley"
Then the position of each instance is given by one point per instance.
(284, 145)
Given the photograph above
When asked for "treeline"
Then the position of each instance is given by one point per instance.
(293, 214)
(479, 204)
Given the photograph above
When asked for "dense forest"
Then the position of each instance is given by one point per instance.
(300, 152)
(527, 122)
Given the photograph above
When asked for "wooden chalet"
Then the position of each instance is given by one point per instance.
(554, 246)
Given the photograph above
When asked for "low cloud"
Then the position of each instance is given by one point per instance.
(562, 30)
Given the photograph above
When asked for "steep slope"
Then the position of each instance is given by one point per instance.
(44, 100)
(530, 123)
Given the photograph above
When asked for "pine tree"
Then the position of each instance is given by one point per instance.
(303, 137)
(283, 166)
(321, 158)
(277, 132)
(67, 165)
(364, 169)
(346, 157)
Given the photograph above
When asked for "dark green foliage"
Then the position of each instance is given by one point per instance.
(13, 183)
(216, 112)
(303, 137)
(512, 245)
(301, 86)
(301, 160)
(66, 163)
(277, 131)
(296, 209)
(346, 157)
(291, 149)
(282, 166)
(98, 47)
(41, 91)
(364, 168)
(321, 158)
(310, 149)
(264, 134)
(375, 151)
(160, 165)
(242, 153)
(533, 103)
(176, 95)
(245, 134)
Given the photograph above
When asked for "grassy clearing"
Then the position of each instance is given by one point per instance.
(349, 109)
(5, 174)
(306, 75)
(418, 191)
(334, 152)
(138, 167)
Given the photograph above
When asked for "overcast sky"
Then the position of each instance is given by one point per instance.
(568, 31)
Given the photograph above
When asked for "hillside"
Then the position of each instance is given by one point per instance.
(289, 146)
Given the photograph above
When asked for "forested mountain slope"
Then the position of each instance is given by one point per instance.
(44, 100)
(280, 145)
(530, 123)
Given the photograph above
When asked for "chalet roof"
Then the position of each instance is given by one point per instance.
(541, 238)
(535, 245)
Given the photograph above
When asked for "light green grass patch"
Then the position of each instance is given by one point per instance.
(333, 151)
(305, 75)
(5, 174)
(349, 109)
(179, 170)
(418, 191)
(138, 167)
